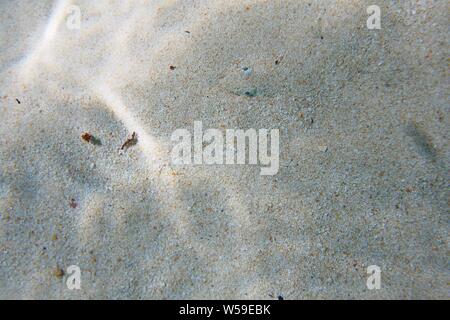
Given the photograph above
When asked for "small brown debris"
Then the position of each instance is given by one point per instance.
(86, 137)
(130, 142)
(18, 101)
(58, 272)
(90, 138)
(54, 237)
(73, 203)
(175, 173)
(409, 189)
(172, 67)
(247, 7)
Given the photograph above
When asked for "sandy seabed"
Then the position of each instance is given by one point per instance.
(364, 149)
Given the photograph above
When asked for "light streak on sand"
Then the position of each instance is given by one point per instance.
(150, 146)
(50, 31)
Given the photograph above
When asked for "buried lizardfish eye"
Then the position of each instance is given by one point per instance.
(247, 71)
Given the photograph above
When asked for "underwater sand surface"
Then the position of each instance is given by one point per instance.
(364, 149)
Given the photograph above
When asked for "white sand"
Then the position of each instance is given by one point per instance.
(364, 183)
